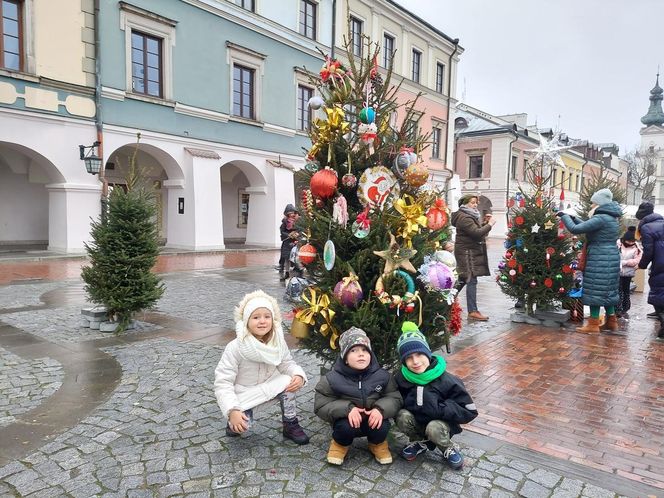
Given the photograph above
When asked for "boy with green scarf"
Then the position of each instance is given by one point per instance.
(435, 401)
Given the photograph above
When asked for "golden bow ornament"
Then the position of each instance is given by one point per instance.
(318, 304)
(413, 218)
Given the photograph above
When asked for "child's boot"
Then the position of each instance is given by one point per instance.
(294, 432)
(336, 453)
(611, 323)
(381, 452)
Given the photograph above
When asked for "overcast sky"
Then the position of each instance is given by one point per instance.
(585, 66)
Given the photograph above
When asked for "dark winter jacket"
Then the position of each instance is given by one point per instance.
(470, 246)
(287, 242)
(652, 237)
(602, 272)
(443, 399)
(344, 388)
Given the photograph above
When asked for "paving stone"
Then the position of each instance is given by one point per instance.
(499, 493)
(531, 489)
(510, 472)
(544, 477)
(564, 493)
(477, 481)
(592, 491)
(474, 491)
(573, 485)
(505, 483)
(521, 466)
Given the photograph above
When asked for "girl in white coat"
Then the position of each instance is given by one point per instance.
(257, 367)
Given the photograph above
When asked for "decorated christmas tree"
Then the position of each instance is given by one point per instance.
(123, 250)
(374, 227)
(540, 258)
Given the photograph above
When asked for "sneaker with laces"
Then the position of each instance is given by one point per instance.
(410, 451)
(294, 432)
(453, 457)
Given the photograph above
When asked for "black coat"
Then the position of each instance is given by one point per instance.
(470, 246)
(444, 398)
(344, 388)
(652, 238)
(287, 242)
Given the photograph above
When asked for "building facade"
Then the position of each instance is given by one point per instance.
(652, 139)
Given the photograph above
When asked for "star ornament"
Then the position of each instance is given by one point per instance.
(535, 228)
(548, 151)
(396, 257)
(549, 225)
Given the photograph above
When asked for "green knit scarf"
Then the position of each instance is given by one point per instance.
(427, 376)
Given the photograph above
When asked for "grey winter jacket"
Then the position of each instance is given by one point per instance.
(343, 388)
(470, 246)
(601, 275)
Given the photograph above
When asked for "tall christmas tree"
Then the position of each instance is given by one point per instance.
(123, 250)
(374, 227)
(540, 258)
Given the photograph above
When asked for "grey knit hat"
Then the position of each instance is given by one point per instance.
(602, 196)
(353, 337)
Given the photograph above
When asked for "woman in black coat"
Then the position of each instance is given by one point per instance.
(651, 228)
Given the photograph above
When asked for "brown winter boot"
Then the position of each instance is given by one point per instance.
(591, 327)
(381, 452)
(611, 323)
(336, 453)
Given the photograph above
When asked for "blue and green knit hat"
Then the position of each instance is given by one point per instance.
(412, 341)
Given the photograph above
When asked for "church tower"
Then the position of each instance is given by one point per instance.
(652, 137)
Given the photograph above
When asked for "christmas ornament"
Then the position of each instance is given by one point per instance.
(518, 220)
(329, 255)
(359, 231)
(332, 71)
(436, 275)
(549, 225)
(503, 278)
(533, 284)
(455, 318)
(404, 158)
(445, 257)
(340, 211)
(368, 134)
(349, 180)
(411, 218)
(378, 188)
(312, 166)
(307, 254)
(559, 276)
(416, 175)
(519, 243)
(367, 115)
(510, 202)
(437, 215)
(395, 301)
(299, 329)
(512, 274)
(501, 265)
(348, 291)
(507, 244)
(316, 102)
(396, 257)
(316, 305)
(561, 290)
(307, 201)
(512, 263)
(319, 203)
(295, 287)
(548, 282)
(535, 228)
(548, 151)
(324, 183)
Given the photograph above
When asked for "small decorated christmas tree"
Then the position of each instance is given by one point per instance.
(123, 251)
(374, 227)
(540, 258)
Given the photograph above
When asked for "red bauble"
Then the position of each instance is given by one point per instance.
(324, 183)
(519, 220)
(548, 282)
(436, 217)
(508, 255)
(567, 269)
(561, 290)
(307, 254)
(512, 263)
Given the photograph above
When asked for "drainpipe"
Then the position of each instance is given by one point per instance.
(98, 116)
(447, 119)
(509, 175)
(334, 27)
(583, 166)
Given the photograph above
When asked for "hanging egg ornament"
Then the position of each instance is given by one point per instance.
(307, 254)
(403, 159)
(349, 292)
(416, 174)
(329, 255)
(367, 115)
(349, 180)
(324, 183)
(316, 102)
(436, 215)
(359, 231)
(440, 276)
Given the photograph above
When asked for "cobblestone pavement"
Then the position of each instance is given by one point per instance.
(25, 383)
(159, 431)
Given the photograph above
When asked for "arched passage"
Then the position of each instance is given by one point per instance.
(243, 192)
(24, 198)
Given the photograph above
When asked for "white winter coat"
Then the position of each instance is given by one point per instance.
(241, 384)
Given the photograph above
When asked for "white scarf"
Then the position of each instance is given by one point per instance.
(252, 349)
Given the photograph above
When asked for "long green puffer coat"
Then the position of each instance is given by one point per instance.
(601, 275)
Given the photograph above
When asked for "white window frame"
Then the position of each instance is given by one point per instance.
(237, 54)
(136, 19)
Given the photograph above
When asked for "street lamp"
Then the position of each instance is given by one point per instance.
(92, 161)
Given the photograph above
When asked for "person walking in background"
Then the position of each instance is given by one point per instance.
(630, 254)
(651, 228)
(470, 250)
(288, 236)
(602, 271)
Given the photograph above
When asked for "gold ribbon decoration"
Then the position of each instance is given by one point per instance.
(326, 131)
(413, 218)
(318, 305)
